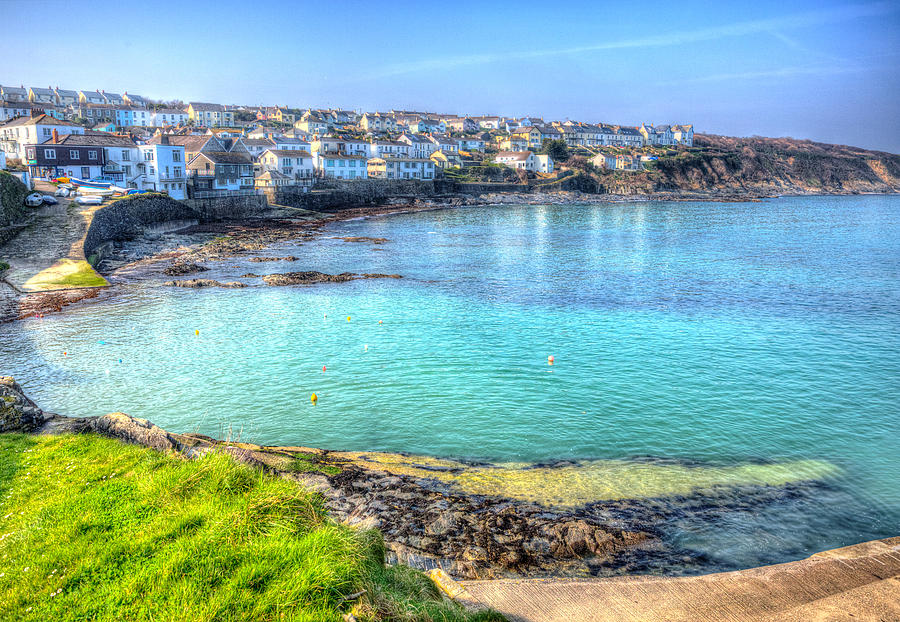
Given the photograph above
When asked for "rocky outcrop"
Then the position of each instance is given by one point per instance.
(198, 283)
(266, 259)
(136, 431)
(311, 277)
(180, 268)
(17, 412)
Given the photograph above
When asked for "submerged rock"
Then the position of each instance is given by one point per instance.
(364, 239)
(198, 283)
(311, 276)
(264, 259)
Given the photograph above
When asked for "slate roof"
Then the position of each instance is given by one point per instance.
(287, 153)
(205, 107)
(513, 155)
(96, 139)
(224, 157)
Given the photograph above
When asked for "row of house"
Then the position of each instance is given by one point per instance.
(55, 96)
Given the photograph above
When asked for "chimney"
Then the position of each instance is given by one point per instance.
(164, 139)
(55, 136)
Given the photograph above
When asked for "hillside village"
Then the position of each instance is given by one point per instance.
(206, 149)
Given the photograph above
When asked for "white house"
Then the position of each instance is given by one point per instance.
(297, 165)
(134, 100)
(390, 148)
(16, 134)
(168, 116)
(163, 169)
(340, 166)
(444, 143)
(289, 143)
(516, 159)
(422, 147)
(210, 115)
(401, 168)
(543, 164)
(683, 135)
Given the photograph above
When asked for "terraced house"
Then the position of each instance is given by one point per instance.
(340, 166)
(210, 115)
(219, 170)
(295, 165)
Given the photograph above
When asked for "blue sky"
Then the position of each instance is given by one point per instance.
(823, 70)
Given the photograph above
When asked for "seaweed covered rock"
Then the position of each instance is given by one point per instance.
(311, 276)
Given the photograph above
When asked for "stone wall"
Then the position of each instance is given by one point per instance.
(12, 197)
(129, 217)
(223, 208)
(334, 195)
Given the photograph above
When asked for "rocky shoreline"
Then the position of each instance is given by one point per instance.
(429, 524)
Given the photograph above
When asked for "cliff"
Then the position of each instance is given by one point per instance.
(740, 167)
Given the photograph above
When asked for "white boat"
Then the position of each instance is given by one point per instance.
(89, 199)
(104, 192)
(35, 199)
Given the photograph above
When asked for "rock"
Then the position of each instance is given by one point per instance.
(264, 259)
(133, 430)
(179, 268)
(17, 412)
(198, 283)
(365, 239)
(311, 276)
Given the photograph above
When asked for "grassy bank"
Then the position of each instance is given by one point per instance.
(92, 529)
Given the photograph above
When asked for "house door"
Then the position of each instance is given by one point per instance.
(85, 172)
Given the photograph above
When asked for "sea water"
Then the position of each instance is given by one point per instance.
(695, 345)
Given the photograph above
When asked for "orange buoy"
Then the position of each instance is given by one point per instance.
(197, 332)
(313, 398)
(550, 360)
(323, 368)
(348, 318)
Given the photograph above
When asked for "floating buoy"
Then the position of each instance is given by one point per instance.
(379, 321)
(550, 360)
(65, 353)
(101, 342)
(197, 332)
(313, 398)
(120, 360)
(348, 318)
(366, 348)
(323, 368)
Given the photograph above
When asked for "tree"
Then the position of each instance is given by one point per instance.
(556, 149)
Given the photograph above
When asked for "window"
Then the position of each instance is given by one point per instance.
(50, 154)
(152, 171)
(176, 156)
(46, 131)
(127, 169)
(148, 156)
(85, 172)
(330, 162)
(73, 154)
(126, 155)
(92, 155)
(176, 171)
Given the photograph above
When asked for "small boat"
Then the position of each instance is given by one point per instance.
(35, 199)
(89, 200)
(98, 191)
(50, 200)
(62, 192)
(92, 183)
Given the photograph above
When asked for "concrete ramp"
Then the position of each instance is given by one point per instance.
(860, 582)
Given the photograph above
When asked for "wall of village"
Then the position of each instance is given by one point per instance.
(224, 208)
(131, 216)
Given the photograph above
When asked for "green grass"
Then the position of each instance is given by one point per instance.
(93, 529)
(3, 266)
(309, 463)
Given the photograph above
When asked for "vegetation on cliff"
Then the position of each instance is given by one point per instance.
(743, 166)
(12, 199)
(93, 529)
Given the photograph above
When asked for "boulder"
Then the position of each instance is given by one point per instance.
(17, 412)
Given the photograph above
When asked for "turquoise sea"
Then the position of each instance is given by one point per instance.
(745, 344)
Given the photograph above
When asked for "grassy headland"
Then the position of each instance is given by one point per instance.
(93, 529)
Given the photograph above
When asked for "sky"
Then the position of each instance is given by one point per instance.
(824, 70)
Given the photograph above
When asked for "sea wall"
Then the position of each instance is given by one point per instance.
(224, 208)
(129, 217)
(12, 209)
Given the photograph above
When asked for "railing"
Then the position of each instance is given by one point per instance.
(212, 194)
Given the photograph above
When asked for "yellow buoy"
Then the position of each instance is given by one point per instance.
(196, 332)
(348, 318)
(314, 398)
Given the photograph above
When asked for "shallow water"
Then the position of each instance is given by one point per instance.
(736, 344)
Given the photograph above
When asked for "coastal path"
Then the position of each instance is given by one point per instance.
(860, 582)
